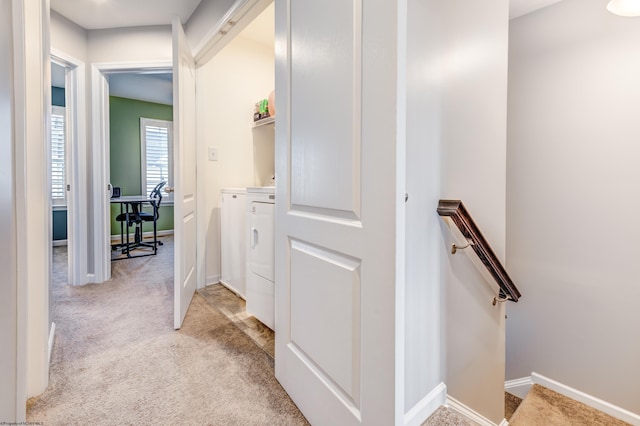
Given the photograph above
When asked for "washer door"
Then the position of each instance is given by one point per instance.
(261, 240)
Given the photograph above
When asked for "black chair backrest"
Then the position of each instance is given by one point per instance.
(156, 193)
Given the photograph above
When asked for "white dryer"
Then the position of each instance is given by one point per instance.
(260, 254)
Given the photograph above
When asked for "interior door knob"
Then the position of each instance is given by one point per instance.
(168, 189)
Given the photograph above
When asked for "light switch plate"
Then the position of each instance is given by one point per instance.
(213, 153)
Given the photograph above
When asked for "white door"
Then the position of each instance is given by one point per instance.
(336, 142)
(261, 239)
(184, 173)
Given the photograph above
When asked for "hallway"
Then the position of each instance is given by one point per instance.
(117, 360)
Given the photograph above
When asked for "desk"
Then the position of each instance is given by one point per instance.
(130, 208)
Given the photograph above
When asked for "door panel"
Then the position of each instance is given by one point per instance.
(325, 315)
(328, 57)
(184, 173)
(335, 237)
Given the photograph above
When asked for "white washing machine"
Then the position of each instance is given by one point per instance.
(260, 254)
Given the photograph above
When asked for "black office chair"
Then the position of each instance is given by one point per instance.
(131, 218)
(153, 216)
(135, 218)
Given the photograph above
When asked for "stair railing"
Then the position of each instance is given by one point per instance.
(455, 210)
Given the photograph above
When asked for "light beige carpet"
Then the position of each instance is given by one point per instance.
(444, 416)
(235, 308)
(543, 406)
(117, 360)
(511, 404)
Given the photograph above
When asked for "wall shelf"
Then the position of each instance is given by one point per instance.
(264, 121)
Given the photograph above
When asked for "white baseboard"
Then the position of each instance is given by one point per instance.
(116, 237)
(518, 387)
(52, 334)
(426, 406)
(213, 279)
(591, 401)
(57, 243)
(460, 408)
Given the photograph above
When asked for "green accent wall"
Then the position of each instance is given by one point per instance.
(57, 96)
(125, 157)
(59, 225)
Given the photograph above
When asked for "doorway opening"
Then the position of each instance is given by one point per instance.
(141, 159)
(67, 165)
(123, 78)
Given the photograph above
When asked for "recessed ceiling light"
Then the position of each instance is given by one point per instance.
(624, 7)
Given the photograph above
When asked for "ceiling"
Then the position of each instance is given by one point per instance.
(261, 29)
(99, 14)
(522, 7)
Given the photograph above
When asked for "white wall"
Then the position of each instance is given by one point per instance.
(456, 148)
(423, 289)
(139, 44)
(228, 87)
(473, 132)
(68, 37)
(573, 198)
(9, 288)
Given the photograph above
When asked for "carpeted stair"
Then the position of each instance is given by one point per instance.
(541, 407)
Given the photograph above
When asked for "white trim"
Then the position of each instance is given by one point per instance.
(462, 409)
(154, 122)
(400, 177)
(30, 29)
(215, 279)
(100, 133)
(591, 401)
(242, 12)
(52, 334)
(518, 387)
(19, 95)
(33, 203)
(129, 67)
(101, 160)
(426, 406)
(58, 243)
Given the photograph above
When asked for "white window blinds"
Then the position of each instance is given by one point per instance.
(157, 153)
(58, 155)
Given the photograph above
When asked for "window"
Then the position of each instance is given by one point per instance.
(58, 193)
(157, 152)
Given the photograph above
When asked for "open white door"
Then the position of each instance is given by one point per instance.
(336, 201)
(184, 173)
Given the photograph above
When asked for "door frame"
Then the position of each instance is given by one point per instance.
(75, 166)
(101, 159)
